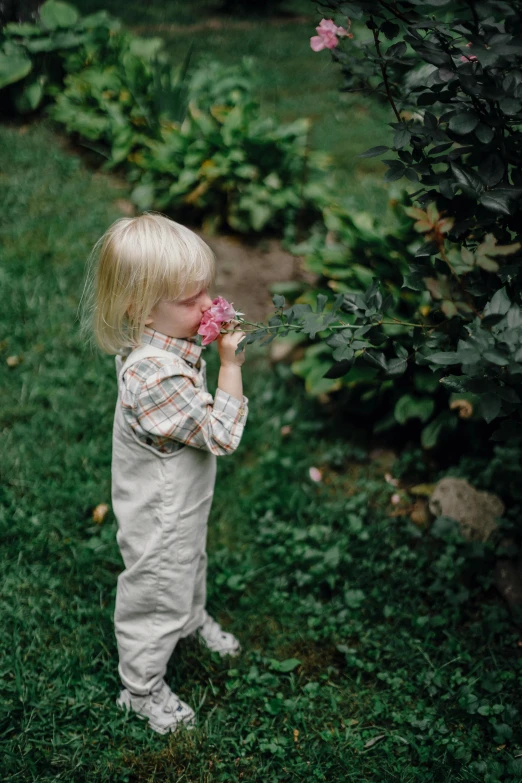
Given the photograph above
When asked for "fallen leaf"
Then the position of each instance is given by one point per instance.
(372, 742)
(464, 407)
(100, 512)
(422, 489)
(420, 514)
(13, 361)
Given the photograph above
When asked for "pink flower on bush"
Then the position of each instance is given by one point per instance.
(328, 35)
(210, 327)
(466, 58)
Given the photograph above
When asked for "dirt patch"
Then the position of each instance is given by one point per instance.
(245, 272)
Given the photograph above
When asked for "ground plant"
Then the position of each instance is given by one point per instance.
(373, 649)
(190, 141)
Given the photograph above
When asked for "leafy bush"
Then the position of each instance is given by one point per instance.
(465, 153)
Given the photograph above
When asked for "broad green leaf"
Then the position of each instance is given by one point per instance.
(496, 202)
(444, 358)
(491, 170)
(285, 666)
(408, 407)
(464, 122)
(29, 99)
(484, 133)
(499, 304)
(13, 68)
(56, 13)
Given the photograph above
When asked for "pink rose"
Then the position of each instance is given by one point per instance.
(222, 310)
(210, 327)
(328, 34)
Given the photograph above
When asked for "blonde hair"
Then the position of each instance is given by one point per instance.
(135, 264)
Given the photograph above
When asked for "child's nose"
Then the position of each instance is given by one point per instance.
(207, 303)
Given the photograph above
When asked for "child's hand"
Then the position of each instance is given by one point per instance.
(227, 344)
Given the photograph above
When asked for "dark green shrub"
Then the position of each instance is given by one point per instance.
(452, 74)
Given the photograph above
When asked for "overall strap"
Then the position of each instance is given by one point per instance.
(146, 352)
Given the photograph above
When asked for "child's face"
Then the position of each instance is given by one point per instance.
(182, 318)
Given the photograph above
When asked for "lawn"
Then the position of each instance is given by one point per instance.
(372, 649)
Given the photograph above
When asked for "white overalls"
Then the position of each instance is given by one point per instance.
(161, 503)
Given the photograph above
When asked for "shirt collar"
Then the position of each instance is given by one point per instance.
(187, 349)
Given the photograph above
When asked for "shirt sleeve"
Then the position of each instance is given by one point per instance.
(172, 406)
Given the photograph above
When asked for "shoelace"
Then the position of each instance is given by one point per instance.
(169, 702)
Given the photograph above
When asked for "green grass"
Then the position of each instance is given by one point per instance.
(373, 651)
(293, 81)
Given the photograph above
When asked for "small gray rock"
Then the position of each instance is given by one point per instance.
(475, 511)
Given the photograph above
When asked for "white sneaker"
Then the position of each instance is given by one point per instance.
(164, 710)
(215, 639)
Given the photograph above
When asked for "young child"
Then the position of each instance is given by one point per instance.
(146, 296)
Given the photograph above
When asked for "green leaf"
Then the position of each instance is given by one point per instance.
(496, 358)
(484, 133)
(278, 300)
(372, 152)
(409, 407)
(491, 170)
(321, 301)
(29, 99)
(339, 369)
(13, 68)
(377, 359)
(55, 14)
(401, 138)
(464, 122)
(143, 196)
(499, 304)
(510, 106)
(285, 666)
(444, 358)
(344, 353)
(470, 182)
(454, 383)
(430, 433)
(354, 598)
(496, 202)
(490, 406)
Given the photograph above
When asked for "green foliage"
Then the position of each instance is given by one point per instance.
(372, 650)
(463, 62)
(194, 143)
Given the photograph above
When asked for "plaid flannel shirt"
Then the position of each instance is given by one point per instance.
(167, 409)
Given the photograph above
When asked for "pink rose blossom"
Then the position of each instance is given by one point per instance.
(221, 312)
(209, 329)
(328, 35)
